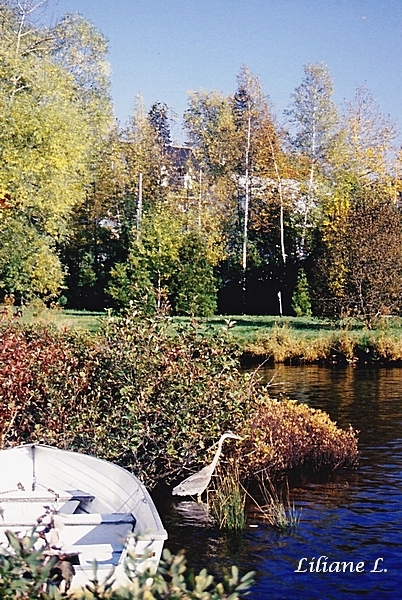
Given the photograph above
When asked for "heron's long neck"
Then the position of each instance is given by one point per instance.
(217, 453)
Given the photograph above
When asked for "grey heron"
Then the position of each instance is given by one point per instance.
(197, 483)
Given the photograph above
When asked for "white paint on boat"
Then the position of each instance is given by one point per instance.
(96, 509)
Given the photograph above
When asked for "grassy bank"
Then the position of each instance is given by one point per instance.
(294, 340)
(290, 340)
(38, 313)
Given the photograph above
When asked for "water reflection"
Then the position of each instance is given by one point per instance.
(193, 513)
(351, 517)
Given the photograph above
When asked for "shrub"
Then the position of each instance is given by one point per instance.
(160, 398)
(24, 570)
(153, 400)
(134, 394)
(284, 435)
(26, 574)
(42, 380)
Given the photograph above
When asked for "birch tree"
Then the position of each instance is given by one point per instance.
(315, 135)
(370, 139)
(213, 138)
(248, 108)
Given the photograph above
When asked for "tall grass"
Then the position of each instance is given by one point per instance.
(284, 344)
(294, 340)
(277, 508)
(228, 500)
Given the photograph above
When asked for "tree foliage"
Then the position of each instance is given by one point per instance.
(315, 136)
(370, 136)
(367, 251)
(47, 133)
(166, 263)
(109, 214)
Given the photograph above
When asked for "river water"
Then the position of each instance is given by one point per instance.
(354, 516)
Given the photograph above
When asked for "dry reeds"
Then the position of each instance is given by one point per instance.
(277, 508)
(284, 344)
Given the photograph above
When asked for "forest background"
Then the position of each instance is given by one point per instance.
(252, 215)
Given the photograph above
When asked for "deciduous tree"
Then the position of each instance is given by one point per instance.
(47, 132)
(370, 139)
(315, 138)
(370, 253)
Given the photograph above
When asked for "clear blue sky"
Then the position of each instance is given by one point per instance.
(164, 48)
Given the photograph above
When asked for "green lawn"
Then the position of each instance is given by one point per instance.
(248, 328)
(80, 319)
(281, 338)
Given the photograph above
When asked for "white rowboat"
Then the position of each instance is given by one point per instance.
(86, 507)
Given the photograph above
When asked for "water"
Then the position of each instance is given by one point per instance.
(353, 517)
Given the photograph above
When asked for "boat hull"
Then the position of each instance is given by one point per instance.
(85, 508)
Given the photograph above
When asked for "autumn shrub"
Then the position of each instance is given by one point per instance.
(153, 400)
(284, 435)
(133, 394)
(42, 380)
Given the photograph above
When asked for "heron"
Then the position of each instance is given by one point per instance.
(197, 483)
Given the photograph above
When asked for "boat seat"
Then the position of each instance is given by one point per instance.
(97, 519)
(45, 496)
(94, 534)
(105, 554)
(26, 507)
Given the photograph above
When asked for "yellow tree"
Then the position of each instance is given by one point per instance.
(366, 158)
(47, 137)
(370, 139)
(315, 138)
(213, 138)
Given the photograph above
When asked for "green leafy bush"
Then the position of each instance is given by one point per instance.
(24, 570)
(28, 574)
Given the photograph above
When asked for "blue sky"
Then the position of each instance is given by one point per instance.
(164, 48)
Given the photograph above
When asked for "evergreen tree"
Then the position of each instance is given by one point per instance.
(301, 296)
(193, 289)
(159, 119)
